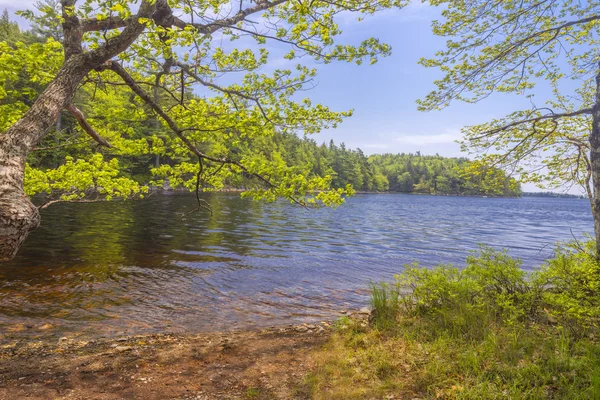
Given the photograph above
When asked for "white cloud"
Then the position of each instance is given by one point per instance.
(450, 136)
(380, 146)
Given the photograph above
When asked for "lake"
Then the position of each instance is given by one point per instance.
(106, 269)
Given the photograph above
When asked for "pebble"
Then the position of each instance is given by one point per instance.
(121, 349)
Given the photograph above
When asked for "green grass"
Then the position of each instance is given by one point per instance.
(487, 331)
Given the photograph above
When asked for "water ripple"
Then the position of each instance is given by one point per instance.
(111, 269)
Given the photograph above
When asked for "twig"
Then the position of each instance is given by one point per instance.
(86, 126)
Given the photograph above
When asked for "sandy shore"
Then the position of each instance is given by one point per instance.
(265, 364)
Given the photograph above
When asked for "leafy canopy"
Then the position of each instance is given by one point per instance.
(197, 92)
(510, 47)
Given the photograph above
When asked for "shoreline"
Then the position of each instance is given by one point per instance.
(266, 363)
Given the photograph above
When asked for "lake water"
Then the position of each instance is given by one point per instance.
(108, 269)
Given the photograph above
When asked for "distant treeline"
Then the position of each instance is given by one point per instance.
(405, 172)
(553, 194)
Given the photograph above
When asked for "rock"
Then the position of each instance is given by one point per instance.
(311, 327)
(301, 329)
(45, 327)
(365, 311)
(63, 339)
(122, 349)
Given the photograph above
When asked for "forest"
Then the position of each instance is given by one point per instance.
(404, 172)
(135, 150)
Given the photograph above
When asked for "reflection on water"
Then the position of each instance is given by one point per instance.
(134, 267)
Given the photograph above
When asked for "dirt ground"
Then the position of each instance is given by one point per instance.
(267, 364)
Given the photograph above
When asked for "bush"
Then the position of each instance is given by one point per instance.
(487, 331)
(571, 282)
(492, 288)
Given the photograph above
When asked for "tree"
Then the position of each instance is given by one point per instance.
(405, 182)
(511, 47)
(174, 47)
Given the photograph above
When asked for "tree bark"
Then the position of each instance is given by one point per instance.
(595, 163)
(18, 216)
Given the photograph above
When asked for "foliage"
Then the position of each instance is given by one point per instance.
(182, 106)
(10, 31)
(487, 330)
(24, 71)
(553, 194)
(442, 175)
(572, 280)
(145, 151)
(518, 47)
(75, 178)
(491, 288)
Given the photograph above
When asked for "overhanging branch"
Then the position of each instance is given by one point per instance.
(553, 117)
(119, 70)
(85, 125)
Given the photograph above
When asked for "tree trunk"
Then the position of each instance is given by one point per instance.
(595, 161)
(18, 216)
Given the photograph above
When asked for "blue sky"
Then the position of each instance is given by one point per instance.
(384, 95)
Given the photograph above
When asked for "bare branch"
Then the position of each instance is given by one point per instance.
(93, 24)
(49, 203)
(85, 125)
(230, 92)
(212, 27)
(553, 116)
(164, 17)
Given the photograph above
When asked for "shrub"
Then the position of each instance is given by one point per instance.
(571, 282)
(487, 331)
(492, 288)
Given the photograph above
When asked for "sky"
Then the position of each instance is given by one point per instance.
(383, 96)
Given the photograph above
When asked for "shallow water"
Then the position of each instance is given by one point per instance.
(107, 269)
